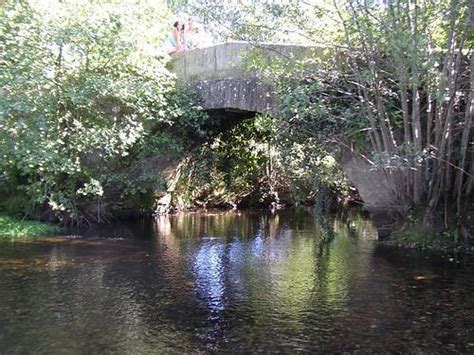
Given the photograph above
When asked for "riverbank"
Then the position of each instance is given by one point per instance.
(427, 240)
(14, 229)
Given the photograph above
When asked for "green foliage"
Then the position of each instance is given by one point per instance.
(316, 107)
(298, 22)
(15, 204)
(392, 85)
(314, 117)
(85, 84)
(229, 167)
(90, 115)
(253, 165)
(420, 237)
(14, 229)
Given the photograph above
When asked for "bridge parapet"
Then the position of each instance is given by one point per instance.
(227, 60)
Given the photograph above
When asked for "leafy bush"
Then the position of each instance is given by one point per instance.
(11, 228)
(84, 84)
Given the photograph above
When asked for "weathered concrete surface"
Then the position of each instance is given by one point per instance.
(221, 77)
(247, 94)
(376, 190)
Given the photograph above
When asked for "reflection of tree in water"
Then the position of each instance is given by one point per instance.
(204, 242)
(355, 223)
(224, 225)
(203, 282)
(312, 274)
(89, 297)
(168, 246)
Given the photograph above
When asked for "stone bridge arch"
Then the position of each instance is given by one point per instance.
(221, 78)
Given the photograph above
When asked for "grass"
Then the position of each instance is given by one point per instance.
(416, 237)
(14, 229)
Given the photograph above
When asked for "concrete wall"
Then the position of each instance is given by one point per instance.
(376, 190)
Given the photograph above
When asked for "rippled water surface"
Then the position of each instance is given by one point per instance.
(231, 282)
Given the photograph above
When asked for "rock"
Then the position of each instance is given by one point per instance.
(376, 191)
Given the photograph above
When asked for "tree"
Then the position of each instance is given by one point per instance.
(83, 84)
(393, 79)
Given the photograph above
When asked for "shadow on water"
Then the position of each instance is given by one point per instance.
(231, 282)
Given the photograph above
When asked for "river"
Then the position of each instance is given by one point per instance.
(232, 282)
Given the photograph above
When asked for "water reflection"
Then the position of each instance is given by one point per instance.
(209, 271)
(231, 282)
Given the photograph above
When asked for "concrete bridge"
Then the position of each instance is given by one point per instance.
(231, 91)
(221, 76)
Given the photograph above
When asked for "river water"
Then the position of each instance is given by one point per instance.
(232, 282)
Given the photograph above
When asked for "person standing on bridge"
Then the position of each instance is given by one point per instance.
(195, 35)
(174, 41)
(191, 34)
